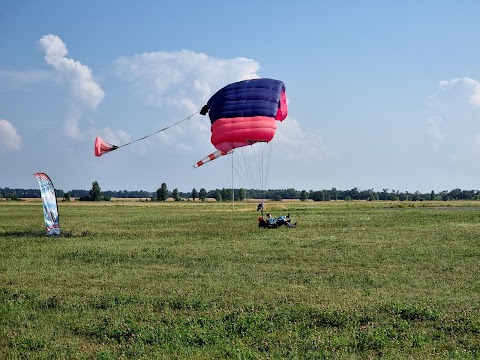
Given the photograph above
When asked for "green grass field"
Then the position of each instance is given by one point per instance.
(182, 280)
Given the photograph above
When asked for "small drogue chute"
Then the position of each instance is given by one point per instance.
(245, 113)
(103, 147)
(49, 200)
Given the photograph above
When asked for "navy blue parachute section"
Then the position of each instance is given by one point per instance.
(248, 98)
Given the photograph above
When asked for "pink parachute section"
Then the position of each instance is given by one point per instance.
(102, 147)
(283, 108)
(232, 133)
(211, 157)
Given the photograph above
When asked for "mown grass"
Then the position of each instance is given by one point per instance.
(194, 280)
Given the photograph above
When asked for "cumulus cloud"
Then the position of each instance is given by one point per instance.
(473, 87)
(434, 130)
(453, 123)
(84, 92)
(79, 77)
(9, 138)
(302, 146)
(182, 79)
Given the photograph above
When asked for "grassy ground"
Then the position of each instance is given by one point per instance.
(192, 280)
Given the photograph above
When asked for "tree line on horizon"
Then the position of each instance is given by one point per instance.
(162, 194)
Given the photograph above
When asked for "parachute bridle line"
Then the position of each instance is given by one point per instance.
(156, 132)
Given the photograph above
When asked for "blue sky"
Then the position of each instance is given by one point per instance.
(381, 94)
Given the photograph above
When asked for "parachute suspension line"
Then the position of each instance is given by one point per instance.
(243, 167)
(266, 168)
(252, 166)
(267, 158)
(249, 166)
(259, 164)
(156, 132)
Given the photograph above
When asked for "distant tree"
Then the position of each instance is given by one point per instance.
(318, 196)
(353, 194)
(203, 194)
(162, 192)
(383, 195)
(456, 194)
(13, 196)
(335, 193)
(416, 196)
(67, 197)
(194, 194)
(95, 193)
(218, 195)
(226, 194)
(290, 194)
(175, 195)
(372, 195)
(327, 196)
(242, 194)
(303, 196)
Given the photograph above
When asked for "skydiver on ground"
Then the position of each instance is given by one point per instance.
(282, 219)
(261, 206)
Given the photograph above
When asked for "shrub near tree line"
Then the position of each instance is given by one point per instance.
(95, 194)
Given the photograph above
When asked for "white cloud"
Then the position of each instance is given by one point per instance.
(84, 92)
(433, 129)
(9, 138)
(477, 140)
(79, 77)
(472, 85)
(454, 116)
(302, 146)
(71, 122)
(182, 79)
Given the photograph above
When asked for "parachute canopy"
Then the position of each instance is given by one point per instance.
(102, 147)
(245, 112)
(50, 209)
